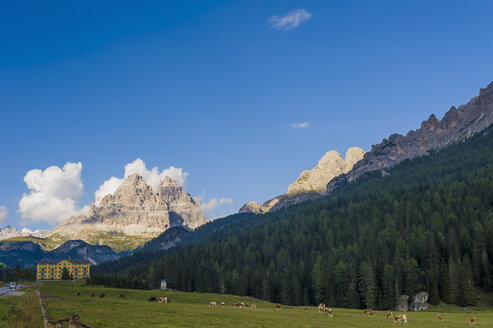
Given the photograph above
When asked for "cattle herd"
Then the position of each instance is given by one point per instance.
(399, 318)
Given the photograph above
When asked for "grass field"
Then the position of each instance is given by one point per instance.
(192, 310)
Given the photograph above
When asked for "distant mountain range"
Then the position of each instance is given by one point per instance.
(10, 232)
(26, 253)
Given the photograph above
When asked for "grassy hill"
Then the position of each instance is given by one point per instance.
(192, 310)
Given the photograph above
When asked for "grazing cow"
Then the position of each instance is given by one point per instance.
(329, 312)
(472, 322)
(321, 308)
(77, 294)
(278, 307)
(164, 300)
(253, 306)
(372, 313)
(366, 311)
(122, 296)
(239, 305)
(439, 317)
(212, 304)
(400, 318)
(152, 299)
(92, 295)
(389, 315)
(305, 309)
(102, 295)
(222, 304)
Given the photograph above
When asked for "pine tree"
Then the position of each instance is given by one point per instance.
(65, 274)
(467, 283)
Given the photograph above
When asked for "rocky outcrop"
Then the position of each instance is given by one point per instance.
(420, 302)
(329, 166)
(402, 303)
(456, 125)
(133, 210)
(310, 184)
(252, 207)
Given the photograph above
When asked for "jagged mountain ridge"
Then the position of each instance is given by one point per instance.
(456, 125)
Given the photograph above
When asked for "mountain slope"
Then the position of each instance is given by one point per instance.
(424, 226)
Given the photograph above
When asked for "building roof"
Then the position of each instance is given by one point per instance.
(48, 261)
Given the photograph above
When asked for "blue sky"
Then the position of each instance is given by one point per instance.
(216, 89)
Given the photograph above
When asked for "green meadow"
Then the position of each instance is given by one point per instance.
(192, 310)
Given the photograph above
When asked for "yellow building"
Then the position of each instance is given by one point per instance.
(52, 270)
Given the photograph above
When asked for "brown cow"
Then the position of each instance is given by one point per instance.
(366, 311)
(389, 315)
(321, 308)
(92, 295)
(77, 294)
(212, 304)
(305, 309)
(122, 296)
(372, 313)
(472, 322)
(239, 305)
(278, 307)
(400, 317)
(439, 317)
(329, 312)
(102, 295)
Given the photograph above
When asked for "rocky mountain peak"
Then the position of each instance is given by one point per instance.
(329, 166)
(134, 190)
(310, 183)
(134, 209)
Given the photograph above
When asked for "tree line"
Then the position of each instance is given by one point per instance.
(422, 227)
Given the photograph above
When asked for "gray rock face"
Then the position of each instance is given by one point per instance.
(135, 210)
(402, 304)
(456, 125)
(252, 207)
(310, 184)
(329, 166)
(420, 302)
(183, 208)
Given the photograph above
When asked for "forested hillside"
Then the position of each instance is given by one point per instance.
(422, 225)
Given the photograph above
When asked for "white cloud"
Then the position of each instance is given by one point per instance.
(290, 20)
(301, 125)
(153, 177)
(4, 212)
(214, 203)
(53, 195)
